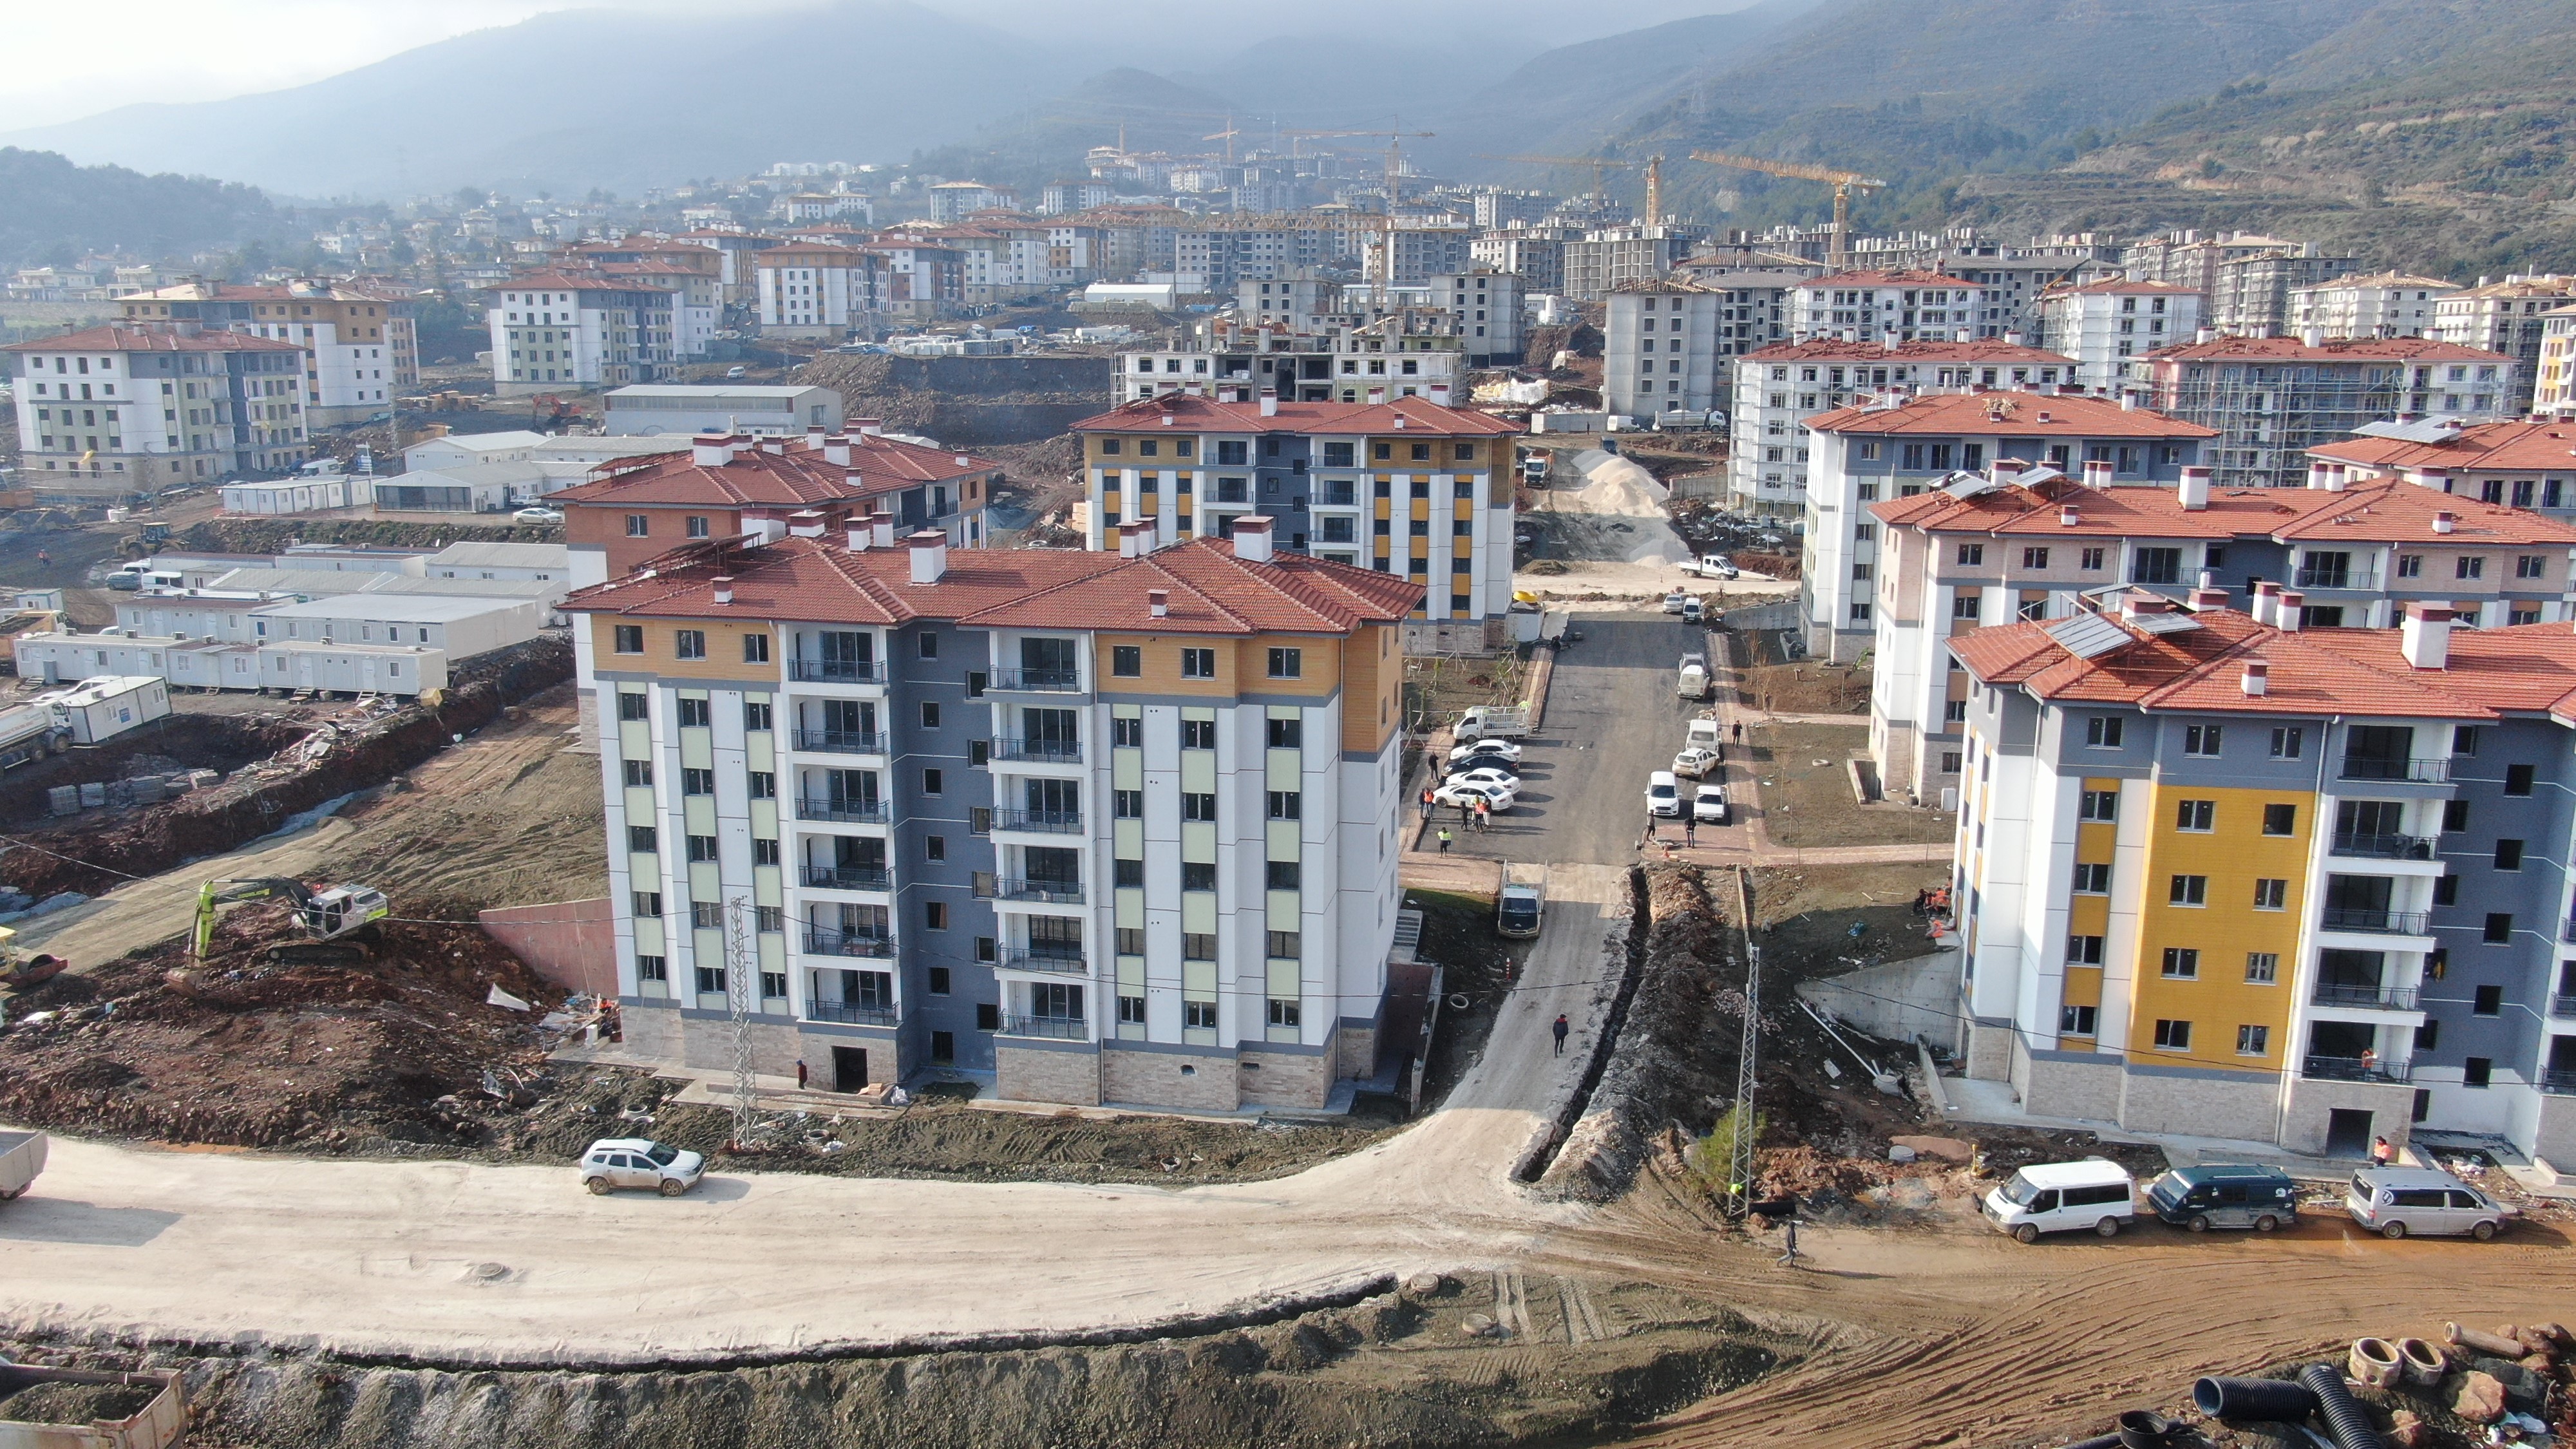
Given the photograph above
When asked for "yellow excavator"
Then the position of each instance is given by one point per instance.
(338, 922)
(19, 970)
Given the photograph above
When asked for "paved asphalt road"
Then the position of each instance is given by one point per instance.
(1612, 720)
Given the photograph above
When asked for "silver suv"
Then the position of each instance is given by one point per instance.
(2396, 1201)
(615, 1162)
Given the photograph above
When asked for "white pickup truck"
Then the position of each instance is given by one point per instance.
(22, 1156)
(1493, 722)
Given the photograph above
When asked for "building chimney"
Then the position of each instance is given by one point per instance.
(881, 526)
(929, 556)
(2012, 339)
(2337, 477)
(805, 523)
(2312, 337)
(836, 450)
(1440, 394)
(814, 435)
(2437, 479)
(2317, 475)
(2444, 523)
(2257, 678)
(1135, 538)
(2097, 471)
(724, 588)
(2266, 605)
(868, 427)
(1252, 538)
(2140, 602)
(710, 450)
(1270, 402)
(2128, 402)
(2067, 517)
(1159, 602)
(2425, 636)
(858, 536)
(775, 447)
(2205, 336)
(2287, 620)
(1375, 395)
(2195, 489)
(2205, 597)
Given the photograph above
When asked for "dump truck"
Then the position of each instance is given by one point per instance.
(28, 732)
(56, 1408)
(1521, 905)
(22, 1156)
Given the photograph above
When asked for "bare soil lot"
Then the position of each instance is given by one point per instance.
(1807, 795)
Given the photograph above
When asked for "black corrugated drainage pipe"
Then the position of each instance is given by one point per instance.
(2098, 1441)
(2277, 1401)
(2144, 1429)
(2343, 1413)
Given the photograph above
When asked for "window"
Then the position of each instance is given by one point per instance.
(930, 714)
(2446, 890)
(764, 850)
(2102, 731)
(2517, 779)
(639, 774)
(641, 839)
(1197, 875)
(2476, 1071)
(764, 785)
(648, 903)
(1280, 875)
(2189, 890)
(2075, 1020)
(1129, 873)
(2469, 566)
(697, 782)
(2093, 878)
(2253, 1041)
(2531, 566)
(2410, 565)
(1198, 734)
(2262, 968)
(2083, 950)
(1197, 806)
(938, 981)
(1201, 1015)
(630, 704)
(689, 643)
(2508, 855)
(694, 713)
(1287, 734)
(1964, 606)
(755, 649)
(2098, 805)
(2455, 816)
(2034, 558)
(2173, 1036)
(2271, 894)
(2499, 930)
(1127, 730)
(1860, 613)
(2200, 739)
(2280, 819)
(755, 717)
(934, 847)
(2182, 963)
(638, 525)
(2286, 740)
(2090, 559)
(1972, 554)
(1127, 661)
(1198, 664)
(1285, 804)
(1287, 663)
(697, 526)
(1127, 804)
(702, 847)
(931, 782)
(652, 968)
(630, 640)
(934, 915)
(2464, 739)
(2198, 816)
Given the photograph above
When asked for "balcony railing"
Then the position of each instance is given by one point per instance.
(2384, 847)
(1056, 892)
(823, 941)
(1062, 1028)
(1337, 497)
(1065, 959)
(2380, 923)
(836, 671)
(841, 742)
(852, 1013)
(1038, 681)
(847, 812)
(2363, 993)
(2380, 767)
(1053, 752)
(2353, 1069)
(2563, 1006)
(2567, 929)
(849, 877)
(2337, 578)
(1051, 822)
(2558, 1083)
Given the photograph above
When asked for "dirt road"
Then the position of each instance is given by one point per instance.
(162, 906)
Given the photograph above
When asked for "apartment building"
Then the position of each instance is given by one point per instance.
(1484, 314)
(736, 250)
(1535, 254)
(956, 200)
(1334, 478)
(2508, 317)
(816, 292)
(1414, 253)
(1863, 306)
(1390, 358)
(2271, 399)
(1661, 349)
(579, 329)
(924, 279)
(1891, 447)
(1213, 254)
(1605, 259)
(2225, 875)
(677, 411)
(361, 347)
(2522, 464)
(2103, 324)
(2250, 296)
(1778, 388)
(1108, 826)
(2031, 543)
(2382, 304)
(111, 413)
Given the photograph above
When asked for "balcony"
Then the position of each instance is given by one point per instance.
(2380, 767)
(846, 812)
(823, 941)
(2384, 847)
(1038, 681)
(2567, 929)
(1338, 497)
(1062, 1028)
(2364, 994)
(1067, 960)
(849, 877)
(841, 742)
(1049, 752)
(2562, 1007)
(2558, 1083)
(2374, 922)
(990, 887)
(2352, 1069)
(835, 671)
(2330, 577)
(1050, 822)
(851, 1013)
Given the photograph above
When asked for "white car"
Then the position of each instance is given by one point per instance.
(615, 1162)
(1663, 795)
(1500, 780)
(1504, 748)
(1708, 806)
(539, 515)
(1695, 762)
(1460, 792)
(1674, 601)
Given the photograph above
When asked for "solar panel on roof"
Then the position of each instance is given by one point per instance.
(2033, 477)
(1967, 485)
(2088, 636)
(2166, 623)
(2414, 432)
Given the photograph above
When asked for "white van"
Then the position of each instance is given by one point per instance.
(2058, 1197)
(1663, 795)
(1705, 733)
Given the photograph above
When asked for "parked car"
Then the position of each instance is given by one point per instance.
(1461, 792)
(1499, 778)
(539, 515)
(1708, 805)
(1714, 566)
(2057, 1197)
(1695, 762)
(1692, 610)
(1707, 732)
(733, 372)
(2396, 1201)
(1472, 763)
(615, 1162)
(1673, 601)
(2224, 1195)
(1521, 906)
(1504, 748)
(1663, 795)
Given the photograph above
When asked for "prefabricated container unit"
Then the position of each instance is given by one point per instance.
(214, 666)
(299, 495)
(352, 668)
(57, 658)
(102, 709)
(459, 627)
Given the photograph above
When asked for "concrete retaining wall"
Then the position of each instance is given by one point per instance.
(2200, 1102)
(572, 944)
(1900, 1000)
(1285, 1079)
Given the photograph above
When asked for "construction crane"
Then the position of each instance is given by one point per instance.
(1601, 166)
(1394, 153)
(1844, 184)
(1227, 136)
(330, 914)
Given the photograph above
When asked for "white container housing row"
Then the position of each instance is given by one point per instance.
(398, 669)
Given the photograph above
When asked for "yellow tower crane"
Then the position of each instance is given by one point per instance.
(1844, 184)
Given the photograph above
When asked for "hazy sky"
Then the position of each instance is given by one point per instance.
(64, 66)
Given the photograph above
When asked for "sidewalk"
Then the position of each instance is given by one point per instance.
(1993, 1103)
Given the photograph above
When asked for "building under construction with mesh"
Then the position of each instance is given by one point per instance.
(2273, 398)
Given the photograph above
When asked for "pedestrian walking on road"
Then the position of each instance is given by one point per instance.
(1690, 832)
(1444, 838)
(1466, 813)
(1484, 815)
(2381, 1153)
(1426, 805)
(1739, 732)
(1791, 1257)
(1561, 1028)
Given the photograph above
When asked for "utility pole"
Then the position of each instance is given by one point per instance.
(739, 966)
(1739, 1158)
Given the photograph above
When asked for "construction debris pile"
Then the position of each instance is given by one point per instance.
(399, 1048)
(2459, 1388)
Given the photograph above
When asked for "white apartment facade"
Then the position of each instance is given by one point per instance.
(361, 348)
(1864, 305)
(2382, 304)
(1660, 350)
(1485, 312)
(562, 329)
(817, 292)
(2101, 325)
(2510, 317)
(115, 412)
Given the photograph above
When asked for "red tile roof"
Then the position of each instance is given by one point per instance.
(2517, 447)
(1196, 414)
(1208, 589)
(1907, 278)
(796, 476)
(1921, 350)
(2028, 415)
(2341, 349)
(131, 339)
(2377, 512)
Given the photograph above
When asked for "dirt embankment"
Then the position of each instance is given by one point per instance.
(265, 535)
(1487, 1359)
(173, 742)
(968, 402)
(92, 858)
